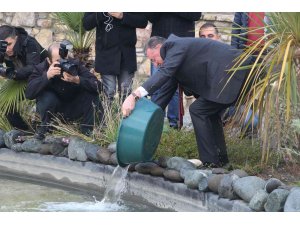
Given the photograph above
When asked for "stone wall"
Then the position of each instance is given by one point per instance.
(46, 30)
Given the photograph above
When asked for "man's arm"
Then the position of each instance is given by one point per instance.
(92, 19)
(137, 20)
(37, 82)
(33, 57)
(192, 16)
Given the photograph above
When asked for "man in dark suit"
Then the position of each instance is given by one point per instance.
(181, 24)
(200, 66)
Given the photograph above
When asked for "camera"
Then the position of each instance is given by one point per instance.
(7, 72)
(64, 64)
(3, 47)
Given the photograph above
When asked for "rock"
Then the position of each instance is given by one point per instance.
(32, 145)
(91, 152)
(258, 200)
(214, 182)
(131, 167)
(76, 149)
(157, 171)
(112, 147)
(276, 200)
(103, 155)
(64, 153)
(272, 184)
(162, 161)
(178, 163)
(219, 171)
(145, 167)
(172, 175)
(246, 187)
(11, 136)
(292, 203)
(113, 159)
(17, 147)
(225, 189)
(240, 173)
(197, 163)
(192, 179)
(53, 148)
(203, 184)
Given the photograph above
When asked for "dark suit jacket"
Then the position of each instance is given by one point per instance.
(199, 65)
(117, 46)
(181, 24)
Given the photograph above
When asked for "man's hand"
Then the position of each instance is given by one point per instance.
(53, 70)
(69, 78)
(128, 106)
(118, 15)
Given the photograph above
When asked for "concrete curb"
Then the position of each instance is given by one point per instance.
(93, 177)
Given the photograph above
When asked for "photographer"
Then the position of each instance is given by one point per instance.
(21, 52)
(66, 87)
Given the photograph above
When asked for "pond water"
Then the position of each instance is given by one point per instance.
(19, 196)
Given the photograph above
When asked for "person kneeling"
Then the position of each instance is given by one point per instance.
(61, 85)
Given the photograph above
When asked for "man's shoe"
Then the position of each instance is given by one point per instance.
(41, 132)
(208, 165)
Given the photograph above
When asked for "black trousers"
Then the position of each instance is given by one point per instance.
(206, 118)
(83, 106)
(16, 120)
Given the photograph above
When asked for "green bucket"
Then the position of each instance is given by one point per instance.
(139, 133)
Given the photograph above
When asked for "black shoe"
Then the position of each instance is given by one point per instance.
(41, 132)
(208, 165)
(175, 127)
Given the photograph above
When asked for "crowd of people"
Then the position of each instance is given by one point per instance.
(61, 85)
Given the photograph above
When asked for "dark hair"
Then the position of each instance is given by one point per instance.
(208, 25)
(153, 42)
(7, 31)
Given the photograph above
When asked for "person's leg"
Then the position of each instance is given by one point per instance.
(218, 131)
(83, 107)
(109, 85)
(173, 110)
(125, 80)
(209, 131)
(46, 104)
(173, 106)
(16, 121)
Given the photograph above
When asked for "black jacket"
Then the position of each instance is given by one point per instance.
(38, 82)
(240, 28)
(27, 51)
(200, 66)
(117, 46)
(181, 24)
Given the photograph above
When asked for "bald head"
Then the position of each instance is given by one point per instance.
(53, 51)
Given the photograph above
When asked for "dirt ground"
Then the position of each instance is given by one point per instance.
(288, 173)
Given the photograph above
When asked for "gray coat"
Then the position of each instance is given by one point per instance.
(199, 65)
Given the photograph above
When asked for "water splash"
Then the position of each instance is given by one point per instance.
(115, 186)
(111, 201)
(82, 207)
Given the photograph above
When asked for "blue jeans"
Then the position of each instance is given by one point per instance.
(124, 84)
(173, 107)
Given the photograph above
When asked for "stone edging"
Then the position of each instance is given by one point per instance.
(94, 176)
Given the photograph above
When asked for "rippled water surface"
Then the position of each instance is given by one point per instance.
(24, 196)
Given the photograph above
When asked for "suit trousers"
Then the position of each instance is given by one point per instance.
(206, 118)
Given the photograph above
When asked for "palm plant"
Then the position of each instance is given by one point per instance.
(81, 39)
(272, 86)
(12, 98)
